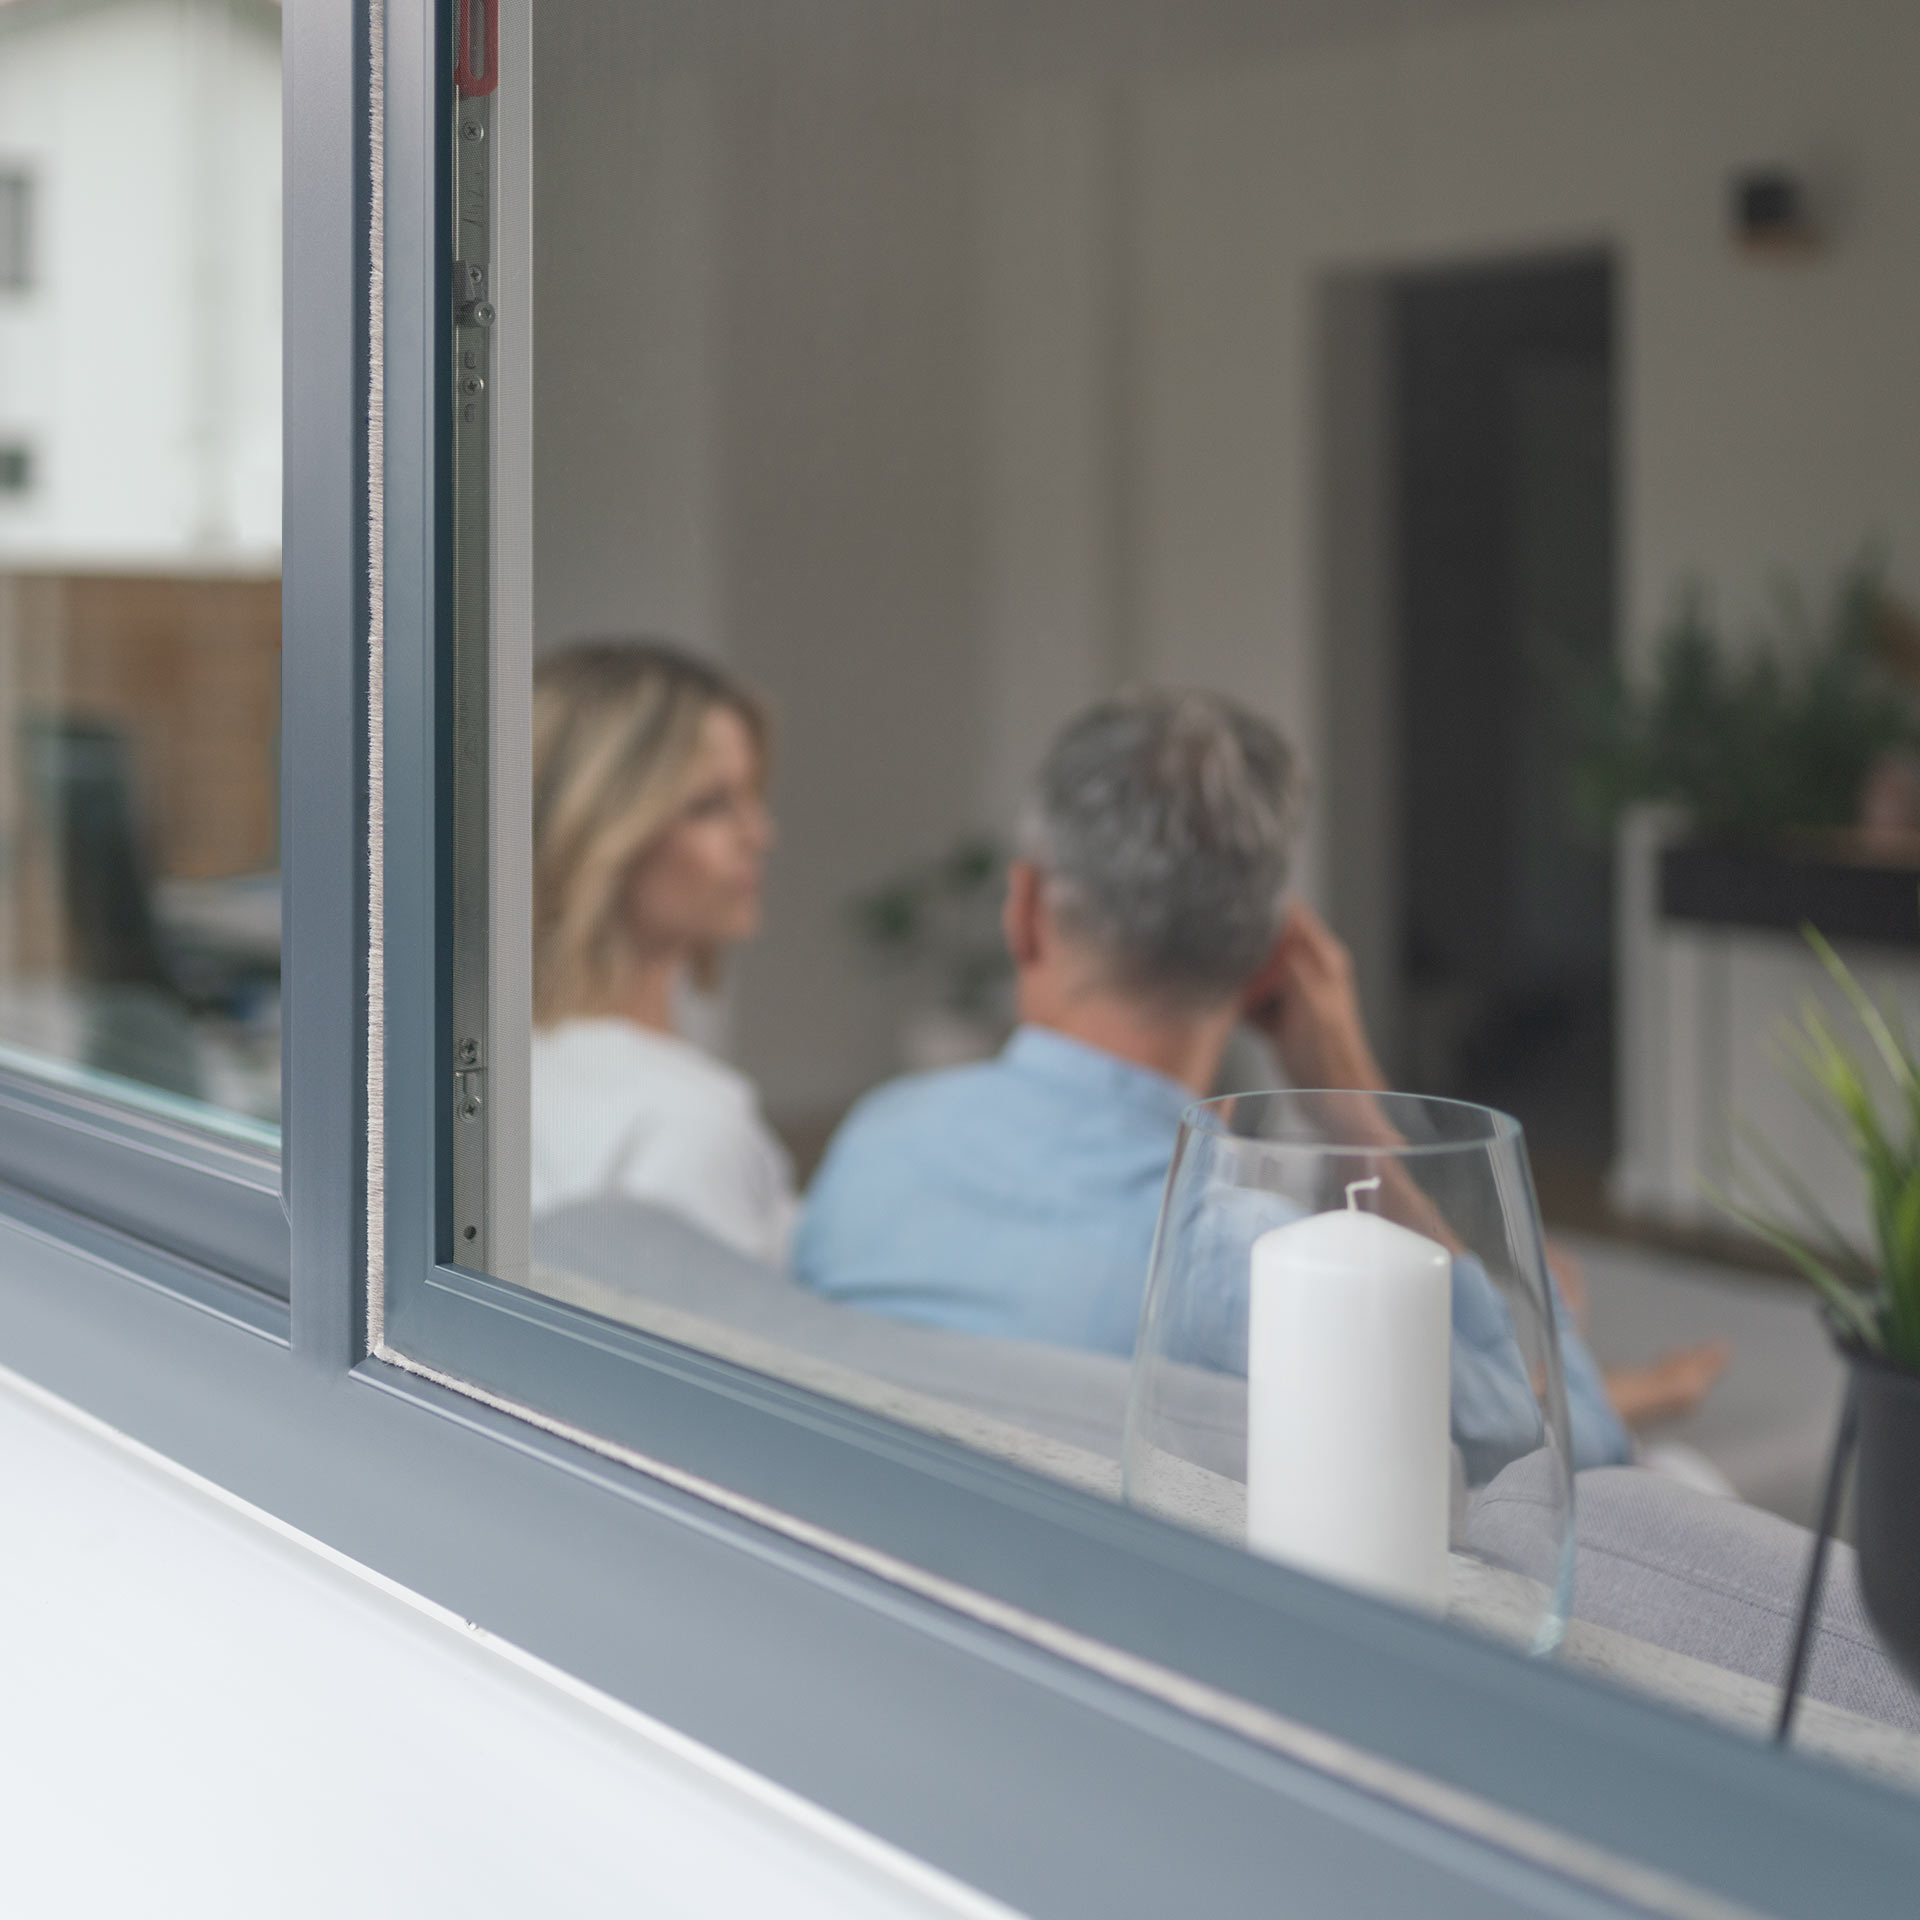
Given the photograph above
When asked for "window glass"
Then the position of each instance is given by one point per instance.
(140, 554)
(1080, 825)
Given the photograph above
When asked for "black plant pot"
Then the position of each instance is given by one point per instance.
(1887, 1504)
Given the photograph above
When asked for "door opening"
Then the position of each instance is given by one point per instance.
(1503, 480)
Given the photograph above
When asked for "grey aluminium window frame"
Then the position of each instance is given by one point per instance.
(184, 1190)
(1045, 1717)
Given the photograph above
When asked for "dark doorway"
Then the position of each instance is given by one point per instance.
(1504, 482)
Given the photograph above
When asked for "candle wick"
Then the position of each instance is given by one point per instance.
(1357, 1187)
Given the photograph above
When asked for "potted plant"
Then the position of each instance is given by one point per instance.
(1871, 1296)
(1790, 758)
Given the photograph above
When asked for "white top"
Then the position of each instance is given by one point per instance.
(619, 1108)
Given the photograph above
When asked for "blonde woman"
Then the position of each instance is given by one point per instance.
(650, 832)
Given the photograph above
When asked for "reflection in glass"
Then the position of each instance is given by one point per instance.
(139, 554)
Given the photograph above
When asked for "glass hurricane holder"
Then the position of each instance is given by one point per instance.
(1348, 1356)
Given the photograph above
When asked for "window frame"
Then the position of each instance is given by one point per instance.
(183, 1190)
(1044, 1694)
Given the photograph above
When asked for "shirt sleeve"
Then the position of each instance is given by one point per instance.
(1496, 1418)
(1600, 1436)
(1495, 1412)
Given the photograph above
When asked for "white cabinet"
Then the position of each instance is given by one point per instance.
(1704, 1017)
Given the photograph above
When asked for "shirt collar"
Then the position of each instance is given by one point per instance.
(1093, 1072)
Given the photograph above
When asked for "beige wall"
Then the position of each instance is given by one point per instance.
(940, 400)
(851, 500)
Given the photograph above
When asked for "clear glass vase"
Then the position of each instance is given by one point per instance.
(1348, 1356)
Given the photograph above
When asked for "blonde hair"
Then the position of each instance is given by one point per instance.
(616, 726)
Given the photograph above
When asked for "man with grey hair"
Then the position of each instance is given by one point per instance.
(1146, 916)
(1158, 835)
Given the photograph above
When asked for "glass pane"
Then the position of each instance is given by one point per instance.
(1073, 561)
(140, 555)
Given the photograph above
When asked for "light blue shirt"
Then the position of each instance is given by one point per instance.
(1018, 1198)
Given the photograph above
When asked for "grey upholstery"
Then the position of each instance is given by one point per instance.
(651, 1257)
(1714, 1579)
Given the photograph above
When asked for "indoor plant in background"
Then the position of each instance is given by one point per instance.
(938, 923)
(1871, 1296)
(1786, 763)
(1774, 736)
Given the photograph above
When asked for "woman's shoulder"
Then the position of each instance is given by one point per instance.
(614, 1057)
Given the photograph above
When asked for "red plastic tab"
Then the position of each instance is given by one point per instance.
(476, 68)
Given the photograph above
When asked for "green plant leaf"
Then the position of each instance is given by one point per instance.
(1898, 1062)
(1847, 1304)
(1777, 732)
(1829, 1241)
(1875, 1302)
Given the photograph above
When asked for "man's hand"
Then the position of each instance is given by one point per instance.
(1304, 1002)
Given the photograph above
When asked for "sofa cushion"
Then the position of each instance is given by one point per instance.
(642, 1257)
(1714, 1579)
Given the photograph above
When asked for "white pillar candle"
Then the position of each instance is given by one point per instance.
(1349, 1358)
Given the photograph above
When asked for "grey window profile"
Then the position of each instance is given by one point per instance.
(1249, 1631)
(1480, 1785)
(185, 1191)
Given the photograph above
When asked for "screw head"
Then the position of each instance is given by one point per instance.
(483, 313)
(473, 384)
(472, 130)
(469, 1052)
(469, 1108)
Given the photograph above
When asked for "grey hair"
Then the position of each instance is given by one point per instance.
(1163, 823)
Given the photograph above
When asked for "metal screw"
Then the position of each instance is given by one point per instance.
(473, 384)
(469, 1108)
(483, 313)
(472, 130)
(469, 1052)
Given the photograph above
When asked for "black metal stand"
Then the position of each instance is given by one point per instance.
(1843, 1444)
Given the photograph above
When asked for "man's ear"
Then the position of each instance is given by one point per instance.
(1023, 913)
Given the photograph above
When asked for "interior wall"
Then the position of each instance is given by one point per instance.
(1770, 409)
(1011, 385)
(1056, 460)
(625, 450)
(851, 507)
